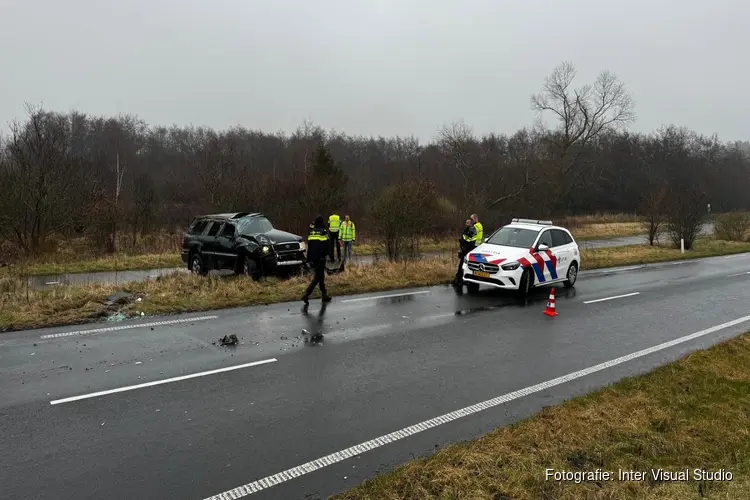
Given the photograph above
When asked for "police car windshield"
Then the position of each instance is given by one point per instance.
(253, 225)
(514, 237)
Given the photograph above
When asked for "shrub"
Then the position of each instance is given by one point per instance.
(732, 226)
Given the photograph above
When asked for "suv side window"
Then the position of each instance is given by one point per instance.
(559, 238)
(198, 227)
(546, 239)
(228, 230)
(214, 230)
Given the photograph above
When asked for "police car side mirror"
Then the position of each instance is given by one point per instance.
(541, 247)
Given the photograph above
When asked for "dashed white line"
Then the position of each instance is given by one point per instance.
(385, 296)
(127, 327)
(612, 298)
(612, 270)
(159, 382)
(361, 448)
(738, 274)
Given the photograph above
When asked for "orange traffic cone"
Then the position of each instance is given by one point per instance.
(550, 309)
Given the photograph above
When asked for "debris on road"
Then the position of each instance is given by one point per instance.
(118, 316)
(229, 340)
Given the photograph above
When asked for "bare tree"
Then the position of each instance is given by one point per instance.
(456, 141)
(39, 180)
(582, 114)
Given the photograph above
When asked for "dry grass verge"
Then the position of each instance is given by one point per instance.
(66, 263)
(606, 230)
(596, 258)
(691, 414)
(22, 307)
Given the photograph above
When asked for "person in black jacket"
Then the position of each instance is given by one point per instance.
(318, 248)
(466, 245)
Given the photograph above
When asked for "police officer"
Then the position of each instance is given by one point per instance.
(478, 229)
(318, 248)
(466, 245)
(334, 223)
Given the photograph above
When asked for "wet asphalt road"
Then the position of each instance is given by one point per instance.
(387, 361)
(141, 275)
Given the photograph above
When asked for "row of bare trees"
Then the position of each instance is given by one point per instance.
(76, 175)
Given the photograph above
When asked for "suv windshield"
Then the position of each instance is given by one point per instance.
(253, 225)
(514, 237)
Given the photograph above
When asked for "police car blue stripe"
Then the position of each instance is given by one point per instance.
(539, 273)
(552, 269)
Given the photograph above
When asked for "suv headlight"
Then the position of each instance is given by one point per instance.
(511, 266)
(302, 246)
(265, 249)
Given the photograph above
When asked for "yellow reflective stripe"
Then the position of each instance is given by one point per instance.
(317, 237)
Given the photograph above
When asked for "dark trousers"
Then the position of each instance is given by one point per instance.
(461, 256)
(459, 274)
(319, 278)
(334, 239)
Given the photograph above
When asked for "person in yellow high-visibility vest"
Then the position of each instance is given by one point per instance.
(348, 233)
(334, 223)
(479, 230)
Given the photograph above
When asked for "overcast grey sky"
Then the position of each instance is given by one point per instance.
(379, 67)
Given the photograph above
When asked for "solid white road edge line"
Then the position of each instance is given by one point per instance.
(385, 296)
(738, 274)
(333, 458)
(612, 298)
(127, 327)
(159, 382)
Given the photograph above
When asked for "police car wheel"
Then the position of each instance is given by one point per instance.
(572, 275)
(527, 281)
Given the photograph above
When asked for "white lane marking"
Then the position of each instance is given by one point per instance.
(738, 274)
(159, 382)
(361, 448)
(52, 283)
(612, 298)
(127, 327)
(613, 270)
(385, 296)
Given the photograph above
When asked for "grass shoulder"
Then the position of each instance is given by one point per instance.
(57, 264)
(691, 414)
(26, 307)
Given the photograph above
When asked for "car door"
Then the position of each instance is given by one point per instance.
(226, 246)
(210, 245)
(542, 264)
(561, 252)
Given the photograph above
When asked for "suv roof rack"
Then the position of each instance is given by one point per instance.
(533, 221)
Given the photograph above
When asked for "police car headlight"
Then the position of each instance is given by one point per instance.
(511, 266)
(265, 249)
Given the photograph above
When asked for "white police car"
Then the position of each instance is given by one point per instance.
(523, 255)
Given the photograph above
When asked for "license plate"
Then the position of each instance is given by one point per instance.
(481, 274)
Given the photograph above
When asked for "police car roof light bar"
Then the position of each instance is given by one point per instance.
(532, 221)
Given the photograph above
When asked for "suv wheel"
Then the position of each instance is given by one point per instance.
(196, 264)
(572, 275)
(250, 268)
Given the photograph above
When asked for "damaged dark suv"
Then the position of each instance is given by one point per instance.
(244, 242)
